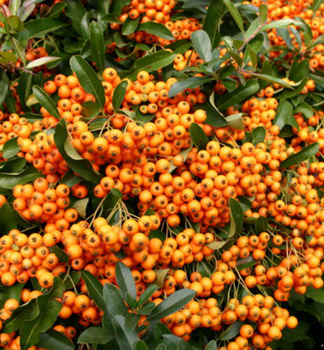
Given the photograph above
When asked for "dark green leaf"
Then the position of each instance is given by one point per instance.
(140, 345)
(14, 291)
(81, 207)
(245, 203)
(7, 220)
(284, 115)
(113, 300)
(202, 44)
(238, 95)
(306, 153)
(149, 63)
(95, 289)
(299, 71)
(10, 148)
(232, 331)
(287, 94)
(63, 257)
(80, 166)
(125, 339)
(118, 6)
(173, 303)
(130, 25)
(213, 19)
(281, 23)
(156, 29)
(53, 340)
(125, 280)
(19, 49)
(88, 79)
(235, 14)
(190, 83)
(95, 335)
(198, 136)
(76, 11)
(217, 245)
(179, 342)
(258, 135)
(245, 263)
(70, 179)
(46, 101)
(305, 109)
(237, 217)
(90, 109)
(235, 121)
(119, 94)
(97, 43)
(146, 295)
(4, 85)
(40, 27)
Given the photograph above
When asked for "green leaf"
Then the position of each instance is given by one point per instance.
(72, 280)
(96, 335)
(235, 14)
(305, 109)
(4, 86)
(118, 6)
(160, 277)
(281, 23)
(7, 220)
(315, 294)
(245, 263)
(125, 338)
(146, 295)
(301, 156)
(204, 268)
(232, 331)
(90, 109)
(202, 44)
(284, 115)
(23, 313)
(173, 303)
(80, 166)
(271, 79)
(97, 45)
(258, 135)
(130, 25)
(119, 94)
(245, 203)
(70, 179)
(40, 27)
(53, 340)
(140, 345)
(10, 180)
(156, 29)
(299, 71)
(76, 11)
(150, 62)
(45, 100)
(287, 94)
(184, 153)
(13, 165)
(198, 136)
(215, 12)
(19, 49)
(316, 4)
(160, 329)
(235, 121)
(236, 214)
(88, 79)
(63, 257)
(42, 61)
(263, 13)
(10, 148)
(179, 342)
(95, 289)
(238, 95)
(125, 280)
(190, 83)
(48, 312)
(117, 307)
(14, 291)
(261, 225)
(217, 245)
(81, 207)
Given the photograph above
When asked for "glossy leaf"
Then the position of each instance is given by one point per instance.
(156, 29)
(190, 83)
(212, 23)
(119, 94)
(258, 135)
(113, 300)
(45, 100)
(40, 27)
(97, 45)
(95, 335)
(41, 61)
(125, 339)
(95, 289)
(306, 153)
(88, 79)
(236, 215)
(53, 340)
(238, 95)
(10, 180)
(80, 166)
(284, 115)
(125, 280)
(198, 136)
(235, 121)
(4, 85)
(149, 63)
(235, 14)
(173, 303)
(118, 6)
(76, 11)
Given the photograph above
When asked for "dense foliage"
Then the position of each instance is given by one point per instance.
(161, 174)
